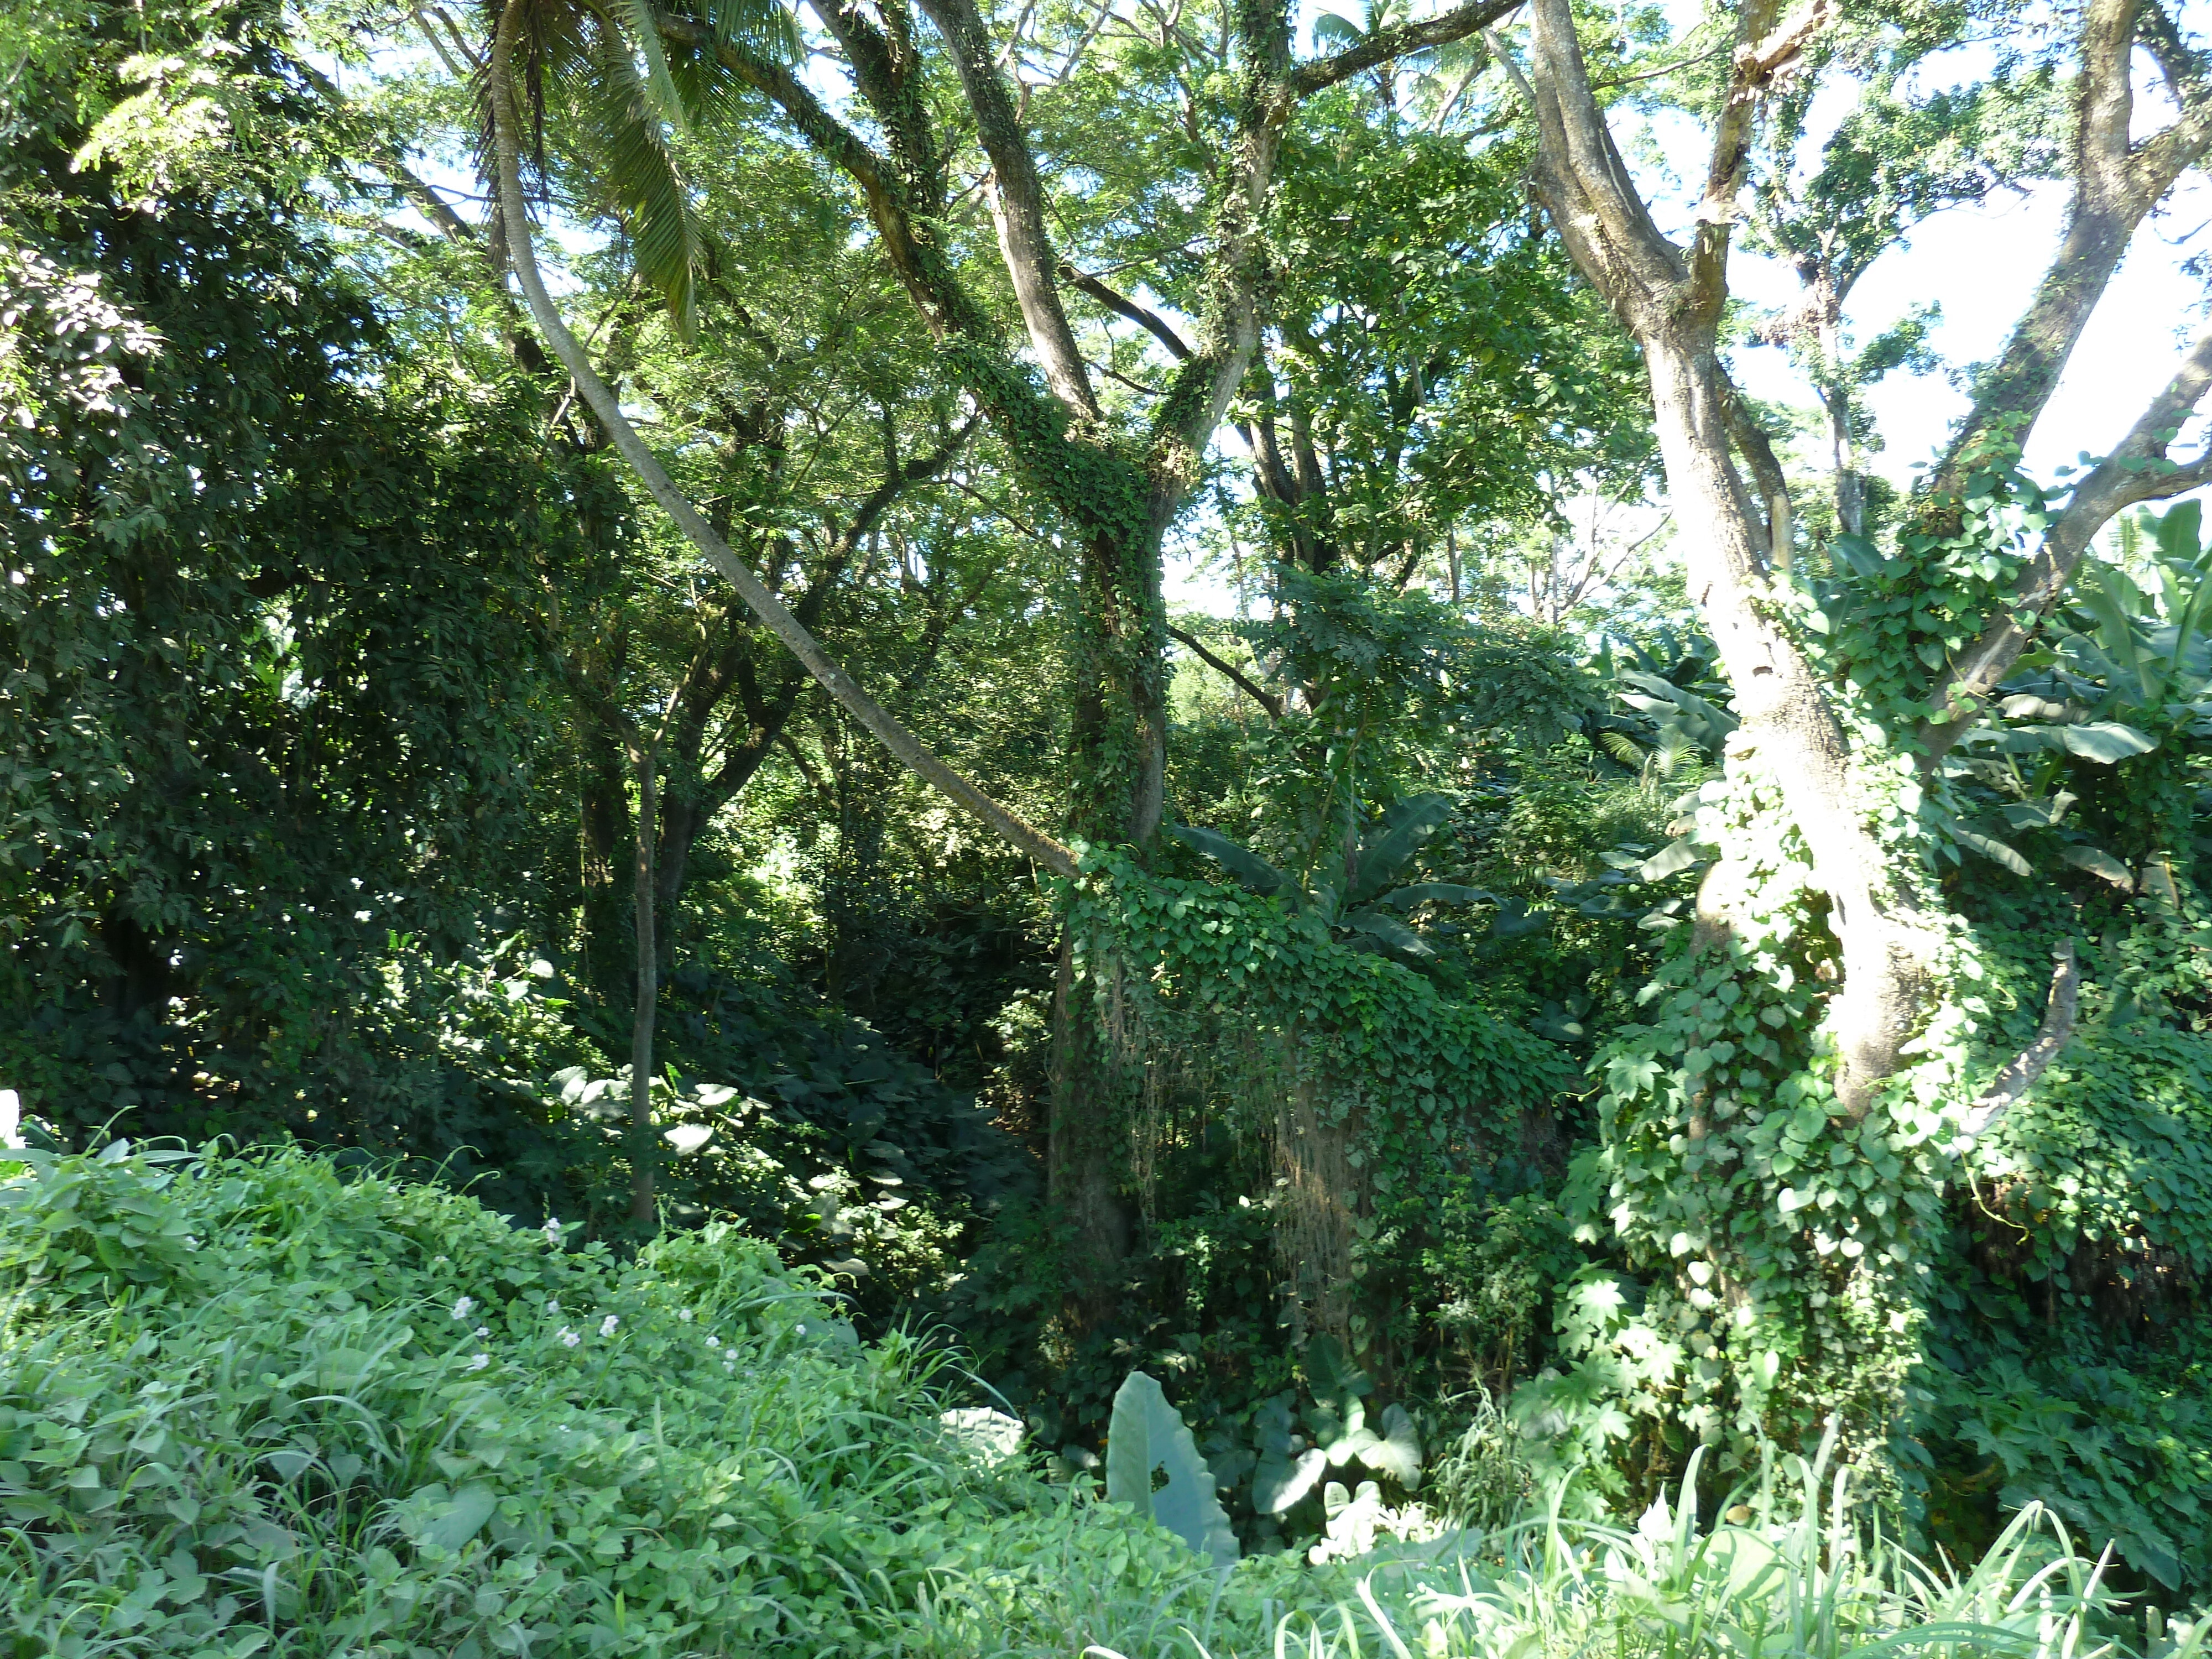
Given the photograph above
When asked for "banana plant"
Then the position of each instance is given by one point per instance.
(2129, 668)
(1354, 889)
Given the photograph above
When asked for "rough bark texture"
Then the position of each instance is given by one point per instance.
(1671, 300)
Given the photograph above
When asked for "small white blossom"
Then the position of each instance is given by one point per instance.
(684, 1316)
(551, 1306)
(802, 1330)
(607, 1325)
(483, 1331)
(569, 1338)
(191, 1243)
(478, 1362)
(713, 1341)
(553, 1230)
(465, 1307)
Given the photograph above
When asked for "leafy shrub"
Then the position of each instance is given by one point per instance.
(246, 1403)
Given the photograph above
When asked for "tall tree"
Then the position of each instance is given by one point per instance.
(1843, 937)
(1117, 486)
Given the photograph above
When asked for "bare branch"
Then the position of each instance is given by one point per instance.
(1016, 203)
(887, 730)
(1385, 44)
(2114, 185)
(1266, 699)
(1121, 306)
(2138, 471)
(2006, 1088)
(1758, 452)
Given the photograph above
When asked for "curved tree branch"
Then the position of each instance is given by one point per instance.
(1384, 45)
(2138, 471)
(1017, 203)
(1266, 699)
(2006, 1088)
(879, 722)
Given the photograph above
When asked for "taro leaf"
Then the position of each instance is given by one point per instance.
(1146, 1433)
(1332, 1376)
(1992, 848)
(1240, 861)
(2099, 862)
(2105, 741)
(1515, 919)
(1280, 1482)
(1229, 1466)
(1398, 1454)
(458, 1521)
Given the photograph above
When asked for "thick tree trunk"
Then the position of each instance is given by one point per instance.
(1086, 1139)
(1885, 943)
(1118, 797)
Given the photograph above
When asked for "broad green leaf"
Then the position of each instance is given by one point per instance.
(1398, 1453)
(1146, 1433)
(1992, 849)
(2105, 741)
(1253, 872)
(2099, 862)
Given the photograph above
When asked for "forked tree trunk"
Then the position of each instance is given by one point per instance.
(1672, 301)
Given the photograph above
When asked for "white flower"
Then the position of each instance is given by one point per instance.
(465, 1307)
(551, 1306)
(802, 1330)
(191, 1243)
(684, 1316)
(478, 1362)
(483, 1331)
(553, 1230)
(607, 1325)
(713, 1341)
(569, 1338)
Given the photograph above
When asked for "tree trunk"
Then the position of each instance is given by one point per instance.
(1118, 798)
(1851, 485)
(604, 826)
(643, 1149)
(1088, 1130)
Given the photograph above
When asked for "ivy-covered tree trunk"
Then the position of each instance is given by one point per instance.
(1778, 1137)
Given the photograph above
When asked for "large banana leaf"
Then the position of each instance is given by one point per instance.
(1251, 870)
(1392, 843)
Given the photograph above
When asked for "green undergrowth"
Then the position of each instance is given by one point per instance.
(247, 1405)
(250, 1405)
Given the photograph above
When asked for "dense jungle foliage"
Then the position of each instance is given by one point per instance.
(656, 999)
